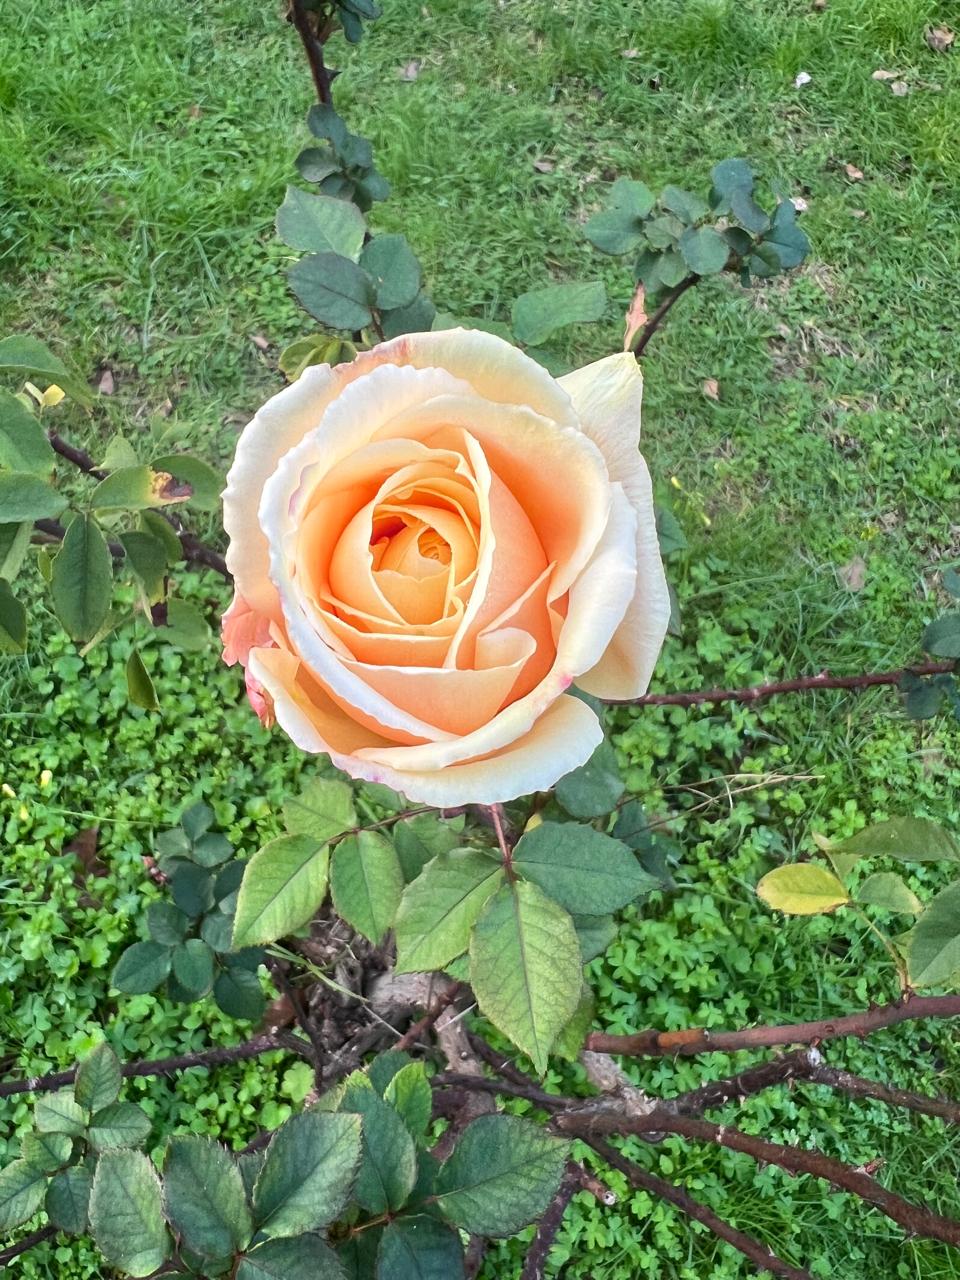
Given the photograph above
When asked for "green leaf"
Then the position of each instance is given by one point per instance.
(166, 923)
(539, 313)
(307, 1174)
(186, 627)
(688, 207)
(82, 579)
(14, 545)
(394, 269)
(663, 232)
(68, 1199)
(729, 176)
(136, 488)
(323, 809)
(385, 1066)
(887, 890)
(298, 1258)
(239, 994)
(316, 163)
(704, 250)
(933, 955)
(619, 228)
(217, 931)
(333, 289)
(525, 967)
(204, 1197)
(950, 580)
(595, 933)
(192, 888)
(119, 453)
(22, 1188)
(388, 1169)
(121, 1124)
(147, 557)
(595, 787)
(582, 869)
(802, 889)
(205, 482)
(421, 838)
(438, 910)
(909, 839)
(671, 268)
(193, 967)
(409, 1093)
(417, 317)
(24, 496)
(283, 885)
(126, 1218)
(47, 1151)
(571, 1038)
(28, 358)
(13, 621)
(159, 527)
(419, 1248)
(502, 1175)
(748, 213)
(366, 883)
(141, 690)
(59, 1113)
(99, 1077)
(320, 224)
(141, 968)
(23, 442)
(323, 122)
(785, 237)
(941, 638)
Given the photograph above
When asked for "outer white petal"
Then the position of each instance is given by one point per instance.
(607, 397)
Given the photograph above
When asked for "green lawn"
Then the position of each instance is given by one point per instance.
(143, 150)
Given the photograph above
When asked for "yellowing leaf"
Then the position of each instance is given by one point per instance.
(802, 889)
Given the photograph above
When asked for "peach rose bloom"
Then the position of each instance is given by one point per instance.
(431, 544)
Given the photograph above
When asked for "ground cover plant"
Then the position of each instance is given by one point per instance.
(800, 554)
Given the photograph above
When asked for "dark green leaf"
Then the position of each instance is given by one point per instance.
(166, 924)
(571, 1038)
(409, 1093)
(785, 237)
(22, 1188)
(320, 224)
(366, 883)
(323, 122)
(663, 232)
(13, 621)
(910, 839)
(140, 687)
(419, 1248)
(126, 1217)
(47, 1151)
(582, 869)
(193, 967)
(950, 579)
(217, 931)
(525, 967)
(212, 849)
(388, 1169)
(394, 269)
(157, 526)
(538, 314)
(704, 250)
(82, 579)
(192, 889)
(307, 1173)
(68, 1198)
(98, 1078)
(239, 994)
(688, 207)
(141, 968)
(502, 1175)
(24, 496)
(418, 317)
(23, 442)
(333, 289)
(28, 358)
(942, 637)
(729, 176)
(619, 228)
(204, 1197)
(385, 1066)
(933, 955)
(595, 933)
(747, 212)
(121, 1124)
(59, 1113)
(316, 163)
(421, 838)
(14, 545)
(323, 809)
(283, 885)
(595, 787)
(148, 560)
(303, 1257)
(438, 910)
(671, 268)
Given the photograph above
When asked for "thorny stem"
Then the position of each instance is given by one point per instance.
(496, 815)
(655, 321)
(313, 48)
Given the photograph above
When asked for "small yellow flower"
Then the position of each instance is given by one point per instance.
(8, 791)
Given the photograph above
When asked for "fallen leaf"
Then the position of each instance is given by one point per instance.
(410, 70)
(853, 173)
(260, 342)
(819, 5)
(83, 846)
(899, 88)
(106, 384)
(710, 388)
(884, 75)
(939, 38)
(166, 408)
(629, 53)
(799, 204)
(853, 574)
(858, 213)
(636, 318)
(544, 165)
(804, 77)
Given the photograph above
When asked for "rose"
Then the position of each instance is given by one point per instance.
(431, 544)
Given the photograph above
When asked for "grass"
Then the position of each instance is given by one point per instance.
(143, 151)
